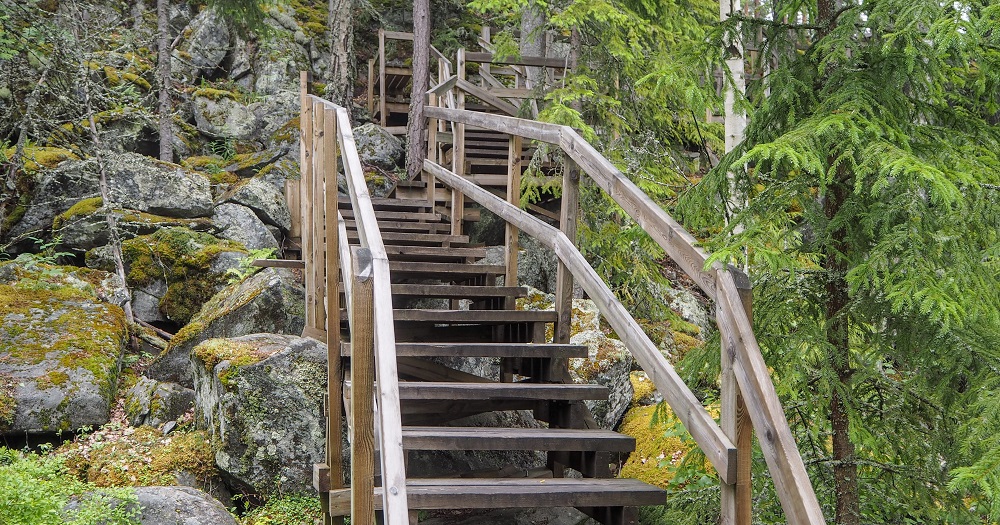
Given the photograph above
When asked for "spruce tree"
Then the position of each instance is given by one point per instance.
(872, 229)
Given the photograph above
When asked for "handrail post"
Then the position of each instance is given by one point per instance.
(458, 153)
(305, 189)
(334, 386)
(362, 387)
(568, 213)
(735, 421)
(513, 197)
(317, 207)
(432, 149)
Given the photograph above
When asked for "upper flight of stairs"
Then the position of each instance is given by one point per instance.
(445, 305)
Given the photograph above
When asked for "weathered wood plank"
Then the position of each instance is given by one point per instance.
(487, 97)
(279, 263)
(334, 412)
(718, 448)
(513, 126)
(500, 391)
(362, 381)
(425, 370)
(522, 61)
(514, 198)
(525, 350)
(475, 316)
(569, 212)
(784, 462)
(475, 438)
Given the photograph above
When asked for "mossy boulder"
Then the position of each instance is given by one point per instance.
(136, 182)
(190, 265)
(174, 505)
(60, 348)
(661, 444)
(609, 363)
(261, 398)
(85, 225)
(224, 117)
(270, 301)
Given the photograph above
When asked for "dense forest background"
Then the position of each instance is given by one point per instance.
(863, 198)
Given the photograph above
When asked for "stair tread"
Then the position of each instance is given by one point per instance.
(426, 390)
(474, 316)
(491, 438)
(445, 268)
(485, 493)
(484, 350)
(398, 252)
(457, 291)
(416, 237)
(386, 226)
(388, 203)
(398, 215)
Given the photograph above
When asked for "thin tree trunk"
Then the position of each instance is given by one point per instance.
(340, 90)
(845, 468)
(163, 75)
(533, 41)
(421, 69)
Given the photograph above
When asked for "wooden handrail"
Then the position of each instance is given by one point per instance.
(794, 489)
(717, 447)
(382, 331)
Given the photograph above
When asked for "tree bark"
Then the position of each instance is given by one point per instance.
(845, 469)
(533, 41)
(421, 70)
(163, 75)
(340, 90)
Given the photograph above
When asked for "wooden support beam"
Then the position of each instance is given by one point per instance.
(362, 382)
(481, 58)
(737, 498)
(334, 375)
(381, 77)
(306, 188)
(514, 198)
(317, 257)
(458, 152)
(564, 278)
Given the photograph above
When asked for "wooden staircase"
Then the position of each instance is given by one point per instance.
(474, 317)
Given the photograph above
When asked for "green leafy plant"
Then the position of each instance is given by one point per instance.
(35, 490)
(246, 267)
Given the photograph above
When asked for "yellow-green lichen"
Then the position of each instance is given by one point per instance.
(143, 457)
(83, 207)
(660, 445)
(36, 158)
(224, 303)
(182, 257)
(52, 378)
(8, 403)
(238, 354)
(214, 94)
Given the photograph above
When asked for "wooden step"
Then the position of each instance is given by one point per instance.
(405, 226)
(397, 215)
(479, 438)
(434, 391)
(523, 350)
(447, 270)
(432, 253)
(454, 291)
(490, 317)
(427, 239)
(474, 316)
(493, 493)
(389, 204)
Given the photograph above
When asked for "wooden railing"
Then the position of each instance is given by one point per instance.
(377, 69)
(364, 269)
(747, 389)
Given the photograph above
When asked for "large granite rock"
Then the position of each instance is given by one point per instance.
(224, 117)
(265, 199)
(60, 347)
(171, 506)
(241, 224)
(270, 301)
(85, 225)
(205, 44)
(136, 182)
(261, 396)
(609, 363)
(152, 403)
(378, 147)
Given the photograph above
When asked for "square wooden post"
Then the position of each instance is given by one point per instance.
(737, 499)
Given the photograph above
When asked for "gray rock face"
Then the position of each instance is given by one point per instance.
(60, 349)
(270, 301)
(224, 118)
(136, 182)
(153, 403)
(261, 397)
(265, 199)
(609, 363)
(204, 48)
(241, 224)
(86, 231)
(146, 301)
(537, 266)
(378, 147)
